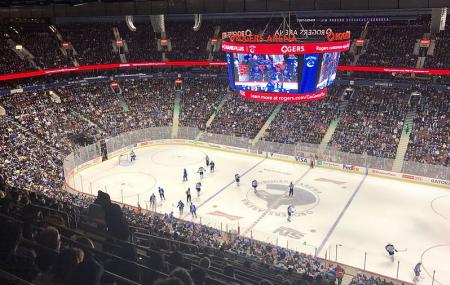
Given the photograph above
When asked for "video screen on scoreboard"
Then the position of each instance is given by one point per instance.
(266, 73)
(328, 70)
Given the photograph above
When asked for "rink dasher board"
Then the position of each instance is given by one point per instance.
(275, 156)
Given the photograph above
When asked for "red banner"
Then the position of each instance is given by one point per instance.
(269, 97)
(395, 70)
(205, 63)
(288, 48)
(107, 66)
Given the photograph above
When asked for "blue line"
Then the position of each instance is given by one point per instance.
(330, 232)
(232, 182)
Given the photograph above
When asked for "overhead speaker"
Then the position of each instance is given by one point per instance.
(130, 23)
(197, 22)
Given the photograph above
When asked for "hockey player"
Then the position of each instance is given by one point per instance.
(185, 175)
(290, 211)
(198, 187)
(193, 210)
(200, 171)
(237, 178)
(153, 202)
(291, 189)
(161, 194)
(417, 272)
(207, 160)
(254, 185)
(132, 156)
(391, 250)
(180, 207)
(212, 166)
(188, 196)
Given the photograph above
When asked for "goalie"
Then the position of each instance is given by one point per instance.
(132, 156)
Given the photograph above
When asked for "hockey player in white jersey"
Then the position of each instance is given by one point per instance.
(200, 171)
(290, 212)
(132, 156)
(237, 179)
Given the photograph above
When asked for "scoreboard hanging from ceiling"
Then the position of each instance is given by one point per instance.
(278, 71)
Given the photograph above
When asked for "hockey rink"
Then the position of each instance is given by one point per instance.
(342, 216)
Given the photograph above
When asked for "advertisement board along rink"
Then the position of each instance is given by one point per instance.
(342, 216)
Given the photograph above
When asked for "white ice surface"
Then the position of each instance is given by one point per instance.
(414, 217)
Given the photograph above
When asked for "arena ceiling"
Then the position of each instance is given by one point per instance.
(70, 8)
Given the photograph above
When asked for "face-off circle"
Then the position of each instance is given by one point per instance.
(273, 195)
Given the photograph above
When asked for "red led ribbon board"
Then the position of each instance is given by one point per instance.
(12, 76)
(287, 48)
(270, 97)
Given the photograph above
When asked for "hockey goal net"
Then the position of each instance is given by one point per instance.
(124, 159)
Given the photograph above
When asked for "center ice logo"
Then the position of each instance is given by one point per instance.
(273, 195)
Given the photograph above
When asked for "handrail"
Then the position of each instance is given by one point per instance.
(13, 278)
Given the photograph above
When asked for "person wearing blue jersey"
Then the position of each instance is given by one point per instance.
(161, 194)
(180, 207)
(193, 210)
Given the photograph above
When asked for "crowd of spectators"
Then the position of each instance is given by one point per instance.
(306, 122)
(200, 99)
(430, 137)
(10, 62)
(441, 57)
(240, 117)
(372, 122)
(93, 43)
(51, 121)
(42, 43)
(391, 45)
(142, 43)
(28, 163)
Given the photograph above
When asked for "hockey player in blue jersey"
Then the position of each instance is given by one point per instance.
(212, 166)
(185, 175)
(161, 194)
(180, 207)
(193, 210)
(198, 187)
(188, 195)
(153, 202)
(391, 250)
(254, 185)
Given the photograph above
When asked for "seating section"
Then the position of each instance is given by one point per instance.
(429, 140)
(372, 122)
(441, 57)
(242, 118)
(306, 122)
(200, 100)
(50, 234)
(382, 38)
(93, 43)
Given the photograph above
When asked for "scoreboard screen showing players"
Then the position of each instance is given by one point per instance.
(328, 69)
(267, 73)
(283, 72)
